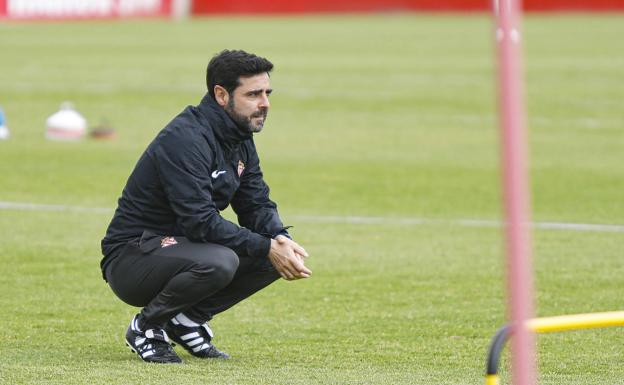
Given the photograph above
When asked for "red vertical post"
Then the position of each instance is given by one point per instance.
(166, 8)
(115, 9)
(515, 187)
(3, 9)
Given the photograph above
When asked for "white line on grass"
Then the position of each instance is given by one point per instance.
(358, 220)
(43, 207)
(460, 222)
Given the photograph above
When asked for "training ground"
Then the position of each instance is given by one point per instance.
(381, 148)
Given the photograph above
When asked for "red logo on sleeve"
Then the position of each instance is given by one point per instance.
(168, 241)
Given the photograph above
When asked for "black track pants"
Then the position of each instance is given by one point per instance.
(198, 279)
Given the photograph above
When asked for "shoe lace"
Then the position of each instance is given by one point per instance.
(161, 347)
(159, 341)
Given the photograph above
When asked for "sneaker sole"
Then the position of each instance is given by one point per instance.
(190, 350)
(151, 362)
(131, 348)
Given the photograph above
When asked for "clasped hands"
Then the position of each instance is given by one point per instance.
(288, 258)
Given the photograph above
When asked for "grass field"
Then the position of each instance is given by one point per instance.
(389, 116)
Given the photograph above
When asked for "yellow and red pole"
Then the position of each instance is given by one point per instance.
(547, 325)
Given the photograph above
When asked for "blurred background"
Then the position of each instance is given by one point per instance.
(381, 148)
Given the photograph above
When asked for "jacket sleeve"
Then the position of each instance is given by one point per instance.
(251, 202)
(184, 169)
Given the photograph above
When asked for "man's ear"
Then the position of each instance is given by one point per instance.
(222, 97)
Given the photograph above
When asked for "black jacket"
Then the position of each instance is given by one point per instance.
(196, 166)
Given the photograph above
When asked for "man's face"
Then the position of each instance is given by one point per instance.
(249, 104)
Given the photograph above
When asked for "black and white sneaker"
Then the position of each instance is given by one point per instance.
(151, 345)
(195, 339)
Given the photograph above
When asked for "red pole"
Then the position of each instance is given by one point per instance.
(115, 9)
(515, 187)
(165, 8)
(3, 9)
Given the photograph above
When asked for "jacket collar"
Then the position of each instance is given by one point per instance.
(225, 129)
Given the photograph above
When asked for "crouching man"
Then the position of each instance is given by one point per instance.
(167, 248)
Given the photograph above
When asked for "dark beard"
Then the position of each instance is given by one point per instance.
(243, 122)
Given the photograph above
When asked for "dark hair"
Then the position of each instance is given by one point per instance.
(227, 66)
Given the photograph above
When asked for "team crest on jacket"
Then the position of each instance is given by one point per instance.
(241, 168)
(168, 241)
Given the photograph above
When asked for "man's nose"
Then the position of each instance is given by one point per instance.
(264, 101)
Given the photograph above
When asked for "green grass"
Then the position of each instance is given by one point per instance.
(388, 115)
